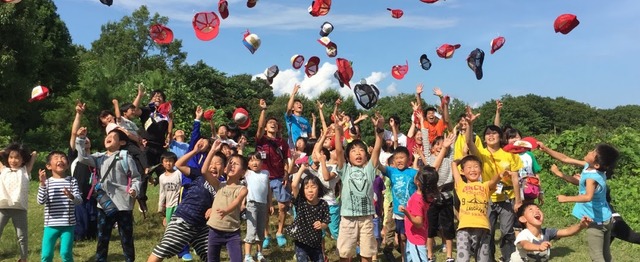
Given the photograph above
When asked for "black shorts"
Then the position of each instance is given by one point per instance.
(440, 215)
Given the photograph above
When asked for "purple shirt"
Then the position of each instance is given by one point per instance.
(378, 187)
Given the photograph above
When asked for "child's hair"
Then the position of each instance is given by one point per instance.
(309, 145)
(103, 113)
(315, 180)
(20, 148)
(428, 179)
(356, 143)
(493, 128)
(430, 109)
(606, 158)
(402, 150)
(436, 140)
(169, 156)
(521, 210)
(510, 133)
(221, 156)
(126, 106)
(326, 153)
(55, 152)
(304, 139)
(122, 137)
(470, 158)
(243, 161)
(297, 100)
(396, 119)
(158, 91)
(255, 154)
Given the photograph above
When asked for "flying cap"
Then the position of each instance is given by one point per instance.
(271, 73)
(297, 61)
(446, 50)
(161, 34)
(11, 1)
(332, 49)
(522, 145)
(165, 108)
(344, 72)
(326, 29)
(241, 118)
(366, 95)
(104, 2)
(251, 41)
(223, 9)
(425, 63)
(206, 25)
(208, 115)
(320, 7)
(497, 43)
(429, 1)
(475, 60)
(396, 13)
(39, 93)
(251, 3)
(565, 23)
(311, 68)
(398, 71)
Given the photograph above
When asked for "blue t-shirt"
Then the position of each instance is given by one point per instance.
(597, 209)
(402, 186)
(298, 126)
(197, 200)
(178, 148)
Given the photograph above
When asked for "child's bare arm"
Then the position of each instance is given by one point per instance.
(340, 159)
(496, 119)
(83, 155)
(296, 87)
(456, 174)
(560, 156)
(417, 221)
(116, 110)
(261, 121)
(586, 197)
(574, 229)
(234, 204)
(295, 184)
(32, 161)
(213, 180)
(76, 123)
(469, 132)
(378, 122)
(136, 101)
(321, 115)
(558, 173)
(528, 246)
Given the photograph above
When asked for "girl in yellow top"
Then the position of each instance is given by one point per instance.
(473, 226)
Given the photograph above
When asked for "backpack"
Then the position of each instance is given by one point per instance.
(530, 187)
(123, 158)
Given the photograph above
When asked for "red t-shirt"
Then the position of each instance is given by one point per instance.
(274, 154)
(417, 207)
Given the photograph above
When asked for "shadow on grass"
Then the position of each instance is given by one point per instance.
(558, 252)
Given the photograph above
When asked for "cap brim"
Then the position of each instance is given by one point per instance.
(246, 124)
(251, 4)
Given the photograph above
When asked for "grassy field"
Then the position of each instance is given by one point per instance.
(149, 232)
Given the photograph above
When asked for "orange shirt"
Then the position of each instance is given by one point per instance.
(436, 129)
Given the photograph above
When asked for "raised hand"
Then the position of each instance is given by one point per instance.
(319, 104)
(313, 116)
(263, 104)
(437, 91)
(82, 132)
(42, 176)
(419, 88)
(362, 117)
(470, 116)
(140, 89)
(296, 87)
(201, 145)
(338, 102)
(415, 106)
(199, 112)
(68, 193)
(448, 140)
(80, 107)
(498, 105)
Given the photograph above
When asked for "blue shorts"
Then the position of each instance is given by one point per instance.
(415, 253)
(334, 225)
(281, 193)
(376, 228)
(400, 226)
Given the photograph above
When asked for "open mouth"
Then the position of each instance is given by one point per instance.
(538, 217)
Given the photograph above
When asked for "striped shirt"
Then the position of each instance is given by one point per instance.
(59, 210)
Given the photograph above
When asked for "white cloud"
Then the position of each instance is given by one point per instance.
(391, 89)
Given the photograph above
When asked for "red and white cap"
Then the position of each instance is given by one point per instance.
(311, 68)
(446, 50)
(241, 118)
(399, 71)
(497, 43)
(39, 93)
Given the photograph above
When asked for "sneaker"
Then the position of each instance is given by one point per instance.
(260, 257)
(282, 241)
(449, 259)
(444, 249)
(265, 242)
(187, 257)
(248, 258)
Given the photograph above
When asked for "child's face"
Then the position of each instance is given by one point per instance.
(130, 113)
(272, 126)
(255, 164)
(492, 138)
(462, 123)
(222, 132)
(311, 191)
(157, 98)
(234, 168)
(112, 142)
(472, 170)
(297, 107)
(532, 215)
(591, 157)
(15, 160)
(226, 150)
(216, 167)
(168, 164)
(418, 138)
(357, 156)
(400, 160)
(437, 147)
(514, 139)
(431, 117)
(58, 164)
(300, 145)
(105, 120)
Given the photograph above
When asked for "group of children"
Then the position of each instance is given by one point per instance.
(405, 189)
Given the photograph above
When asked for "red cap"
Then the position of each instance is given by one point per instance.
(206, 25)
(11, 1)
(241, 118)
(396, 13)
(208, 115)
(297, 61)
(345, 71)
(223, 9)
(446, 50)
(320, 7)
(160, 34)
(165, 108)
(429, 1)
(398, 71)
(497, 43)
(311, 68)
(39, 93)
(251, 3)
(565, 23)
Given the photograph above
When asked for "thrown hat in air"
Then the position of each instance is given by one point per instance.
(475, 60)
(251, 3)
(251, 41)
(446, 50)
(39, 93)
(497, 43)
(223, 9)
(565, 23)
(104, 2)
(297, 61)
(399, 71)
(206, 25)
(208, 115)
(425, 63)
(271, 73)
(326, 29)
(429, 1)
(344, 72)
(366, 94)
(396, 13)
(330, 47)
(241, 118)
(320, 7)
(311, 68)
(161, 34)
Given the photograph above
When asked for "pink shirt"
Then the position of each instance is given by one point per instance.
(417, 207)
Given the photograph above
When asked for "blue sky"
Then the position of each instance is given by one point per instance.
(597, 63)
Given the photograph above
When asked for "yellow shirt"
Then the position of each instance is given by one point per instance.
(458, 147)
(498, 162)
(474, 205)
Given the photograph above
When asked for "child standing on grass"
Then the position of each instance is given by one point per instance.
(59, 194)
(592, 200)
(170, 183)
(534, 242)
(224, 221)
(257, 205)
(120, 185)
(472, 238)
(312, 216)
(416, 222)
(14, 191)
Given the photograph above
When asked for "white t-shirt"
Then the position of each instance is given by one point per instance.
(14, 188)
(520, 254)
(330, 196)
(257, 186)
(169, 189)
(384, 156)
(402, 139)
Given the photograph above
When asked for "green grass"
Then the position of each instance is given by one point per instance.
(147, 234)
